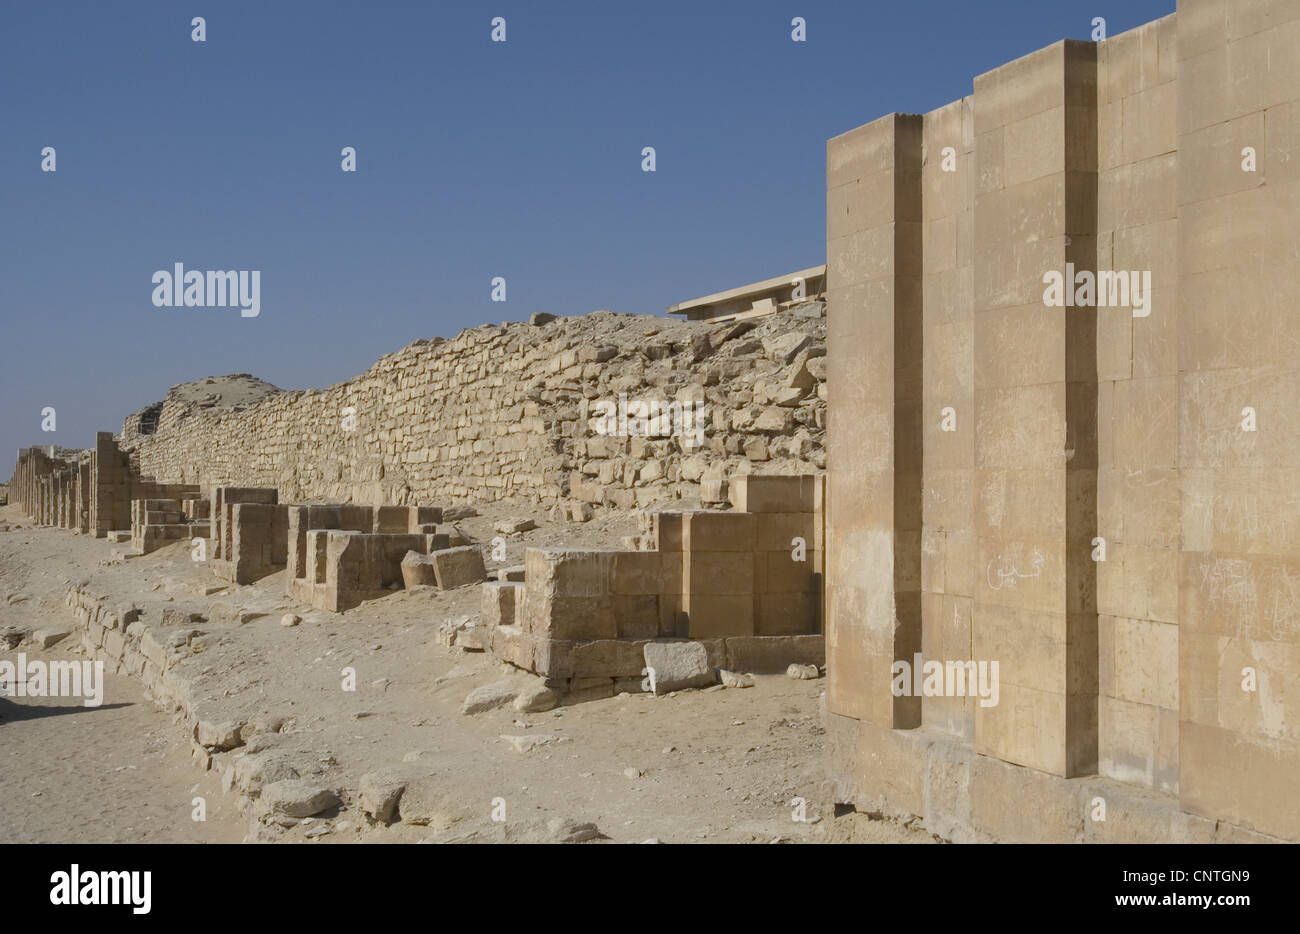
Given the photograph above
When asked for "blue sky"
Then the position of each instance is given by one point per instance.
(475, 159)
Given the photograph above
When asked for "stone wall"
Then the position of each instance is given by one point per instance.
(86, 491)
(1100, 498)
(746, 584)
(497, 413)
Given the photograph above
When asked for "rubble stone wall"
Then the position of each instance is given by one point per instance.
(498, 413)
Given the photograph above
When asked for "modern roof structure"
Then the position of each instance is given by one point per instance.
(758, 298)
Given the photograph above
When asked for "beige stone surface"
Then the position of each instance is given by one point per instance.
(1107, 494)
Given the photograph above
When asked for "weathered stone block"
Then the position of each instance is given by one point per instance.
(458, 567)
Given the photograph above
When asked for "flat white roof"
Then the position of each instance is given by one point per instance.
(767, 285)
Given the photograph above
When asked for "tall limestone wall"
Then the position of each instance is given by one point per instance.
(1096, 496)
(527, 412)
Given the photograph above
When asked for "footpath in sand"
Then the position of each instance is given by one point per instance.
(722, 764)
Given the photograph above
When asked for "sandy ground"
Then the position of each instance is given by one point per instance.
(719, 765)
(116, 773)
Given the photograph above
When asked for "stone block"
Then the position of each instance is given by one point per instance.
(458, 567)
(773, 494)
(418, 570)
(676, 666)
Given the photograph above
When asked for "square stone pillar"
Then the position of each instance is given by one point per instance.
(1035, 410)
(873, 534)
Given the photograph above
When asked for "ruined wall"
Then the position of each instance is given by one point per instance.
(1105, 491)
(495, 414)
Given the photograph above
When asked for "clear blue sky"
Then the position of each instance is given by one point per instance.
(475, 159)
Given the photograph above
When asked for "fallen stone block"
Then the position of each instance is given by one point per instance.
(566, 830)
(676, 666)
(50, 635)
(425, 801)
(489, 697)
(218, 735)
(736, 679)
(535, 697)
(458, 567)
(515, 526)
(454, 537)
(254, 771)
(803, 672)
(227, 614)
(297, 798)
(380, 792)
(465, 632)
(417, 570)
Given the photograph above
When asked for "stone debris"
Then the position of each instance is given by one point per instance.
(490, 697)
(466, 633)
(530, 741)
(677, 666)
(297, 798)
(290, 620)
(172, 616)
(803, 672)
(51, 635)
(379, 793)
(515, 526)
(253, 771)
(425, 800)
(535, 697)
(567, 830)
(735, 679)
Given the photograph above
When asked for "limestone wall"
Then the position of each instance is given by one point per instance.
(1102, 497)
(496, 413)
